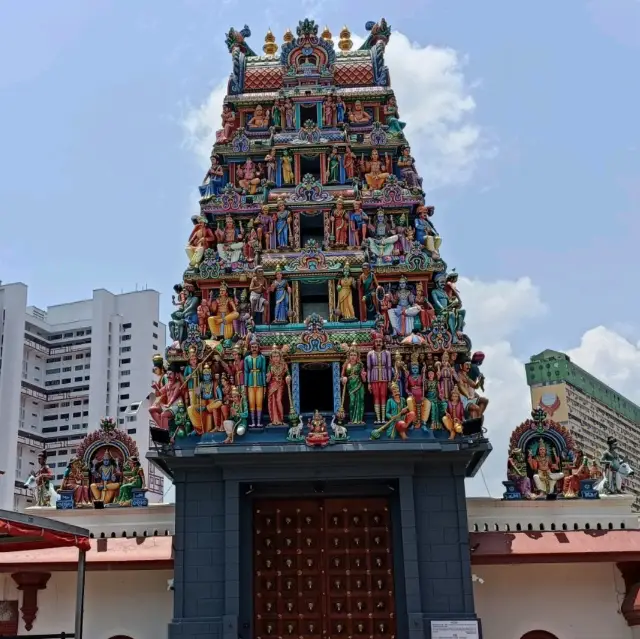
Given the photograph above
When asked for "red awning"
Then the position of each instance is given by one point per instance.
(25, 532)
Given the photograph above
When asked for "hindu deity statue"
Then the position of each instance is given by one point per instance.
(398, 414)
(333, 167)
(405, 310)
(426, 234)
(213, 180)
(277, 113)
(357, 224)
(258, 301)
(381, 244)
(171, 400)
(454, 413)
(400, 371)
(289, 114)
(358, 115)
(474, 404)
(402, 244)
(349, 161)
(237, 367)
(270, 163)
(200, 239)
(255, 379)
(283, 225)
(379, 375)
(447, 376)
(238, 413)
(449, 308)
(204, 408)
(243, 307)
(248, 178)
(282, 295)
(416, 390)
(76, 480)
(474, 371)
(354, 377)
(376, 171)
(408, 170)
(44, 477)
(346, 285)
(614, 467)
(259, 119)
(368, 288)
(435, 406)
(132, 479)
(329, 111)
(339, 224)
(546, 468)
(288, 176)
(202, 313)
(160, 372)
(228, 123)
(427, 313)
(230, 241)
(517, 472)
(340, 110)
(576, 471)
(317, 435)
(185, 314)
(278, 381)
(107, 477)
(223, 314)
(266, 229)
(191, 374)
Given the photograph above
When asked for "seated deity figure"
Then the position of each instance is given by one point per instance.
(133, 478)
(402, 315)
(206, 401)
(426, 234)
(449, 309)
(107, 476)
(375, 170)
(408, 170)
(75, 479)
(259, 119)
(380, 244)
(248, 177)
(223, 314)
(212, 183)
(546, 469)
(201, 238)
(230, 242)
(228, 123)
(358, 115)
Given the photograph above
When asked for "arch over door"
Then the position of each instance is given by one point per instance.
(534, 634)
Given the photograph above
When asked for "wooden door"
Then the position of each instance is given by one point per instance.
(323, 568)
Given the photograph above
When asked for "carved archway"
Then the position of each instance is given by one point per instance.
(537, 634)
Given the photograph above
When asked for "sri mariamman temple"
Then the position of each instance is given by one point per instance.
(320, 405)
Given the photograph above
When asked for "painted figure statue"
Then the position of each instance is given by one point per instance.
(407, 167)
(278, 381)
(346, 285)
(288, 176)
(205, 408)
(259, 119)
(283, 225)
(282, 292)
(340, 224)
(614, 467)
(132, 479)
(403, 314)
(546, 468)
(76, 479)
(416, 391)
(258, 300)
(247, 176)
(358, 225)
(223, 314)
(333, 167)
(354, 377)
(201, 238)
(368, 288)
(517, 472)
(450, 309)
(228, 123)
(185, 314)
(358, 115)
(266, 229)
(454, 413)
(43, 480)
(107, 476)
(398, 414)
(376, 171)
(213, 180)
(379, 375)
(255, 379)
(426, 234)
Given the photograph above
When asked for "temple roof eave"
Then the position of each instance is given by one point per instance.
(346, 92)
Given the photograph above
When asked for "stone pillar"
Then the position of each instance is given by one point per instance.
(30, 583)
(444, 562)
(199, 555)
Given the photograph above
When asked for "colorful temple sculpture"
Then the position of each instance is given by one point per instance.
(544, 463)
(314, 279)
(316, 316)
(105, 472)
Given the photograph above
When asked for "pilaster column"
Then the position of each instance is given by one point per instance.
(30, 583)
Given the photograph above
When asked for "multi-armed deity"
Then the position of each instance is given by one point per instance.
(314, 291)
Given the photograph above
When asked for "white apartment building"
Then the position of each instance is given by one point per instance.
(63, 369)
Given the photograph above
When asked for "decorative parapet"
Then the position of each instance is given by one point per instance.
(495, 515)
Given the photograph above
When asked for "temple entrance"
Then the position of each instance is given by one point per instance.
(310, 164)
(323, 567)
(311, 228)
(308, 112)
(316, 387)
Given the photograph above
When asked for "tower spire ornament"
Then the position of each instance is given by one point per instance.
(270, 47)
(345, 42)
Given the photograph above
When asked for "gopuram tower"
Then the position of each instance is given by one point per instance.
(320, 405)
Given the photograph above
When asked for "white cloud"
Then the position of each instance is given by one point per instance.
(434, 99)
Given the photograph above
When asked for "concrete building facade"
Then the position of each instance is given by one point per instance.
(63, 369)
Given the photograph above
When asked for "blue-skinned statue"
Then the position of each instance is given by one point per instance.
(448, 305)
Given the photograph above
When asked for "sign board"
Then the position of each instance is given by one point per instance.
(455, 630)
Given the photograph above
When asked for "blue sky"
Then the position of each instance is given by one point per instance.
(96, 159)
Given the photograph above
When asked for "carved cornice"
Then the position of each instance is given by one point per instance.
(30, 583)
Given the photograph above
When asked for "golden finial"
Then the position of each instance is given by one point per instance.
(326, 34)
(270, 46)
(288, 36)
(345, 43)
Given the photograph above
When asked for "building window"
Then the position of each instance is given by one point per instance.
(50, 429)
(53, 371)
(125, 373)
(66, 380)
(67, 358)
(126, 327)
(125, 338)
(126, 360)
(66, 369)
(123, 397)
(125, 349)
(125, 384)
(79, 367)
(155, 335)
(155, 348)
(131, 431)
